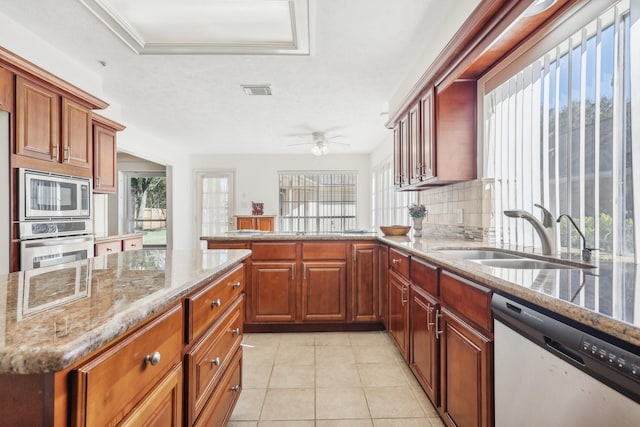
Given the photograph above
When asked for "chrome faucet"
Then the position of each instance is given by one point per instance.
(546, 228)
(586, 252)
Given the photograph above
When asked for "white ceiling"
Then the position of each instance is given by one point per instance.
(361, 52)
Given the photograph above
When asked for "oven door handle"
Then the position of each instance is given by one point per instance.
(56, 241)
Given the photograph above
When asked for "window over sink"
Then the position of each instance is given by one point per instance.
(557, 130)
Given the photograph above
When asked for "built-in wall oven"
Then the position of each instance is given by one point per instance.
(55, 222)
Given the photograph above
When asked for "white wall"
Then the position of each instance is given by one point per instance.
(257, 177)
(382, 152)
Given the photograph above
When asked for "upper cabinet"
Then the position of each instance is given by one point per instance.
(77, 142)
(104, 148)
(7, 88)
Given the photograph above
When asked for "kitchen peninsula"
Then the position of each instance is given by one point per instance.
(106, 339)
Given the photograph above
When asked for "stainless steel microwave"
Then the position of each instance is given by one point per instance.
(45, 195)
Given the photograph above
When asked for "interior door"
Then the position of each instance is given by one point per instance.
(215, 202)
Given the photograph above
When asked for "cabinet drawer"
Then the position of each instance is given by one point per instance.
(227, 245)
(206, 306)
(132, 244)
(218, 409)
(109, 386)
(285, 250)
(323, 251)
(210, 357)
(425, 276)
(468, 299)
(106, 248)
(399, 262)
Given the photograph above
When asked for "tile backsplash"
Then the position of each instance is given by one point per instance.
(462, 210)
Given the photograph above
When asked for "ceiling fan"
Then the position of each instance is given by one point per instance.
(320, 142)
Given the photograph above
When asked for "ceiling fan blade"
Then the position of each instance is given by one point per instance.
(339, 143)
(301, 143)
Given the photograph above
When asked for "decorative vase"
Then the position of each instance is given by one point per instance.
(417, 227)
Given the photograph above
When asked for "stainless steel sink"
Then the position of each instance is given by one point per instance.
(523, 264)
(499, 259)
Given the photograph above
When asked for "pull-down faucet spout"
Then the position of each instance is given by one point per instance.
(546, 228)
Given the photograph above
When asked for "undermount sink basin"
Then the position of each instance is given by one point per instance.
(499, 259)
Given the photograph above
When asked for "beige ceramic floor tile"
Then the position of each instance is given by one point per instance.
(262, 340)
(332, 339)
(259, 355)
(292, 376)
(334, 354)
(424, 401)
(344, 423)
(376, 354)
(402, 422)
(297, 339)
(295, 355)
(381, 375)
(289, 404)
(249, 405)
(369, 338)
(436, 422)
(337, 374)
(393, 402)
(342, 402)
(242, 424)
(286, 424)
(255, 376)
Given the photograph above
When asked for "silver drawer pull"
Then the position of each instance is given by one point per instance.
(216, 303)
(215, 362)
(236, 331)
(235, 388)
(395, 261)
(154, 358)
(237, 285)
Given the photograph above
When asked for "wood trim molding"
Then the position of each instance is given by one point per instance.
(107, 122)
(22, 66)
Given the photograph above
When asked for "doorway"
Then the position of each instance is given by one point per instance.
(214, 200)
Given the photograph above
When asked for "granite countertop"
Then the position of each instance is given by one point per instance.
(605, 298)
(52, 317)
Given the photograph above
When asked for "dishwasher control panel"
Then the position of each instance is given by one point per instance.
(614, 357)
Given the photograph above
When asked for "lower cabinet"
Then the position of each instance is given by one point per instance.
(272, 294)
(466, 374)
(365, 283)
(424, 342)
(324, 289)
(399, 312)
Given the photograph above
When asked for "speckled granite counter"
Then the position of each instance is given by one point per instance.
(605, 298)
(53, 317)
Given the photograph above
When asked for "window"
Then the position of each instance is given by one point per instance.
(146, 206)
(389, 207)
(317, 202)
(215, 201)
(557, 131)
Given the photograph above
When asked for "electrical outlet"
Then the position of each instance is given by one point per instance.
(460, 216)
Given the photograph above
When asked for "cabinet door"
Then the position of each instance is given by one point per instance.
(424, 345)
(77, 141)
(162, 406)
(105, 169)
(272, 296)
(324, 288)
(7, 87)
(265, 224)
(37, 121)
(399, 313)
(364, 283)
(414, 143)
(427, 136)
(405, 151)
(245, 223)
(397, 155)
(466, 374)
(384, 285)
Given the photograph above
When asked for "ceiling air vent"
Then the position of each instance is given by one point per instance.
(257, 89)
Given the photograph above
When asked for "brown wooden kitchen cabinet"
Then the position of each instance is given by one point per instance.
(324, 289)
(273, 291)
(37, 121)
(133, 243)
(105, 169)
(77, 140)
(365, 282)
(256, 222)
(108, 247)
(383, 275)
(118, 243)
(399, 312)
(7, 90)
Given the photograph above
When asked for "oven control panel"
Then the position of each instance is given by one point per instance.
(614, 357)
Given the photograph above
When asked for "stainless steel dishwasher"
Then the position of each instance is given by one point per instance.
(549, 373)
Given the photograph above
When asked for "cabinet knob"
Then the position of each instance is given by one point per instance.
(237, 285)
(216, 303)
(109, 250)
(215, 362)
(154, 358)
(236, 331)
(395, 261)
(235, 388)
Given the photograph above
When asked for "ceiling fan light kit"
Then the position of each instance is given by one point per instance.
(320, 149)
